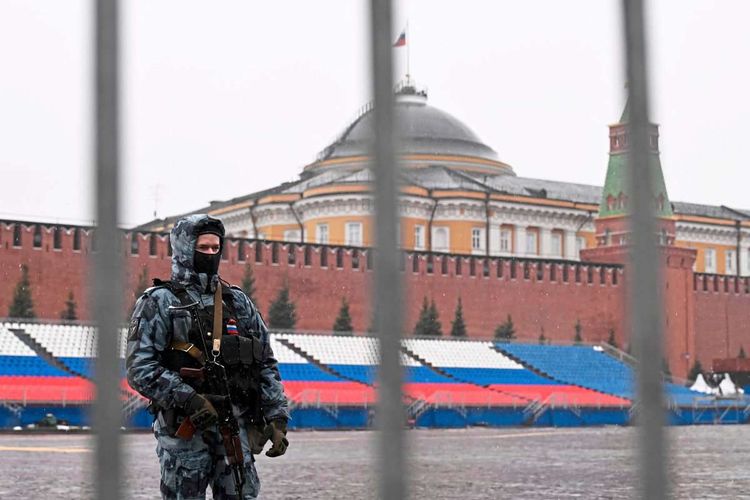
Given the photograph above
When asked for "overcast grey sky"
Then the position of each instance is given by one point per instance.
(225, 98)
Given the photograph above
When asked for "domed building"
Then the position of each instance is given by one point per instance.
(458, 196)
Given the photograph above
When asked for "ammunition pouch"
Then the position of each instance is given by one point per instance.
(242, 357)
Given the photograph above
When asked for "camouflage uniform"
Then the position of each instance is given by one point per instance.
(189, 466)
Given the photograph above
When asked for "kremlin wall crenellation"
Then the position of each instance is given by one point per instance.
(548, 253)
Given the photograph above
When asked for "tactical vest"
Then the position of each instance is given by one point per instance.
(241, 352)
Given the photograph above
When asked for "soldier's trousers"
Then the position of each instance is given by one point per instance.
(188, 467)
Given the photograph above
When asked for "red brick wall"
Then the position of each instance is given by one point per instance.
(722, 316)
(535, 303)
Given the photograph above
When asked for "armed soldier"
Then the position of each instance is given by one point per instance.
(199, 350)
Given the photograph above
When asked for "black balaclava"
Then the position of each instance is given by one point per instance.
(204, 262)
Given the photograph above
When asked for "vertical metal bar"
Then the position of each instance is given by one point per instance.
(107, 279)
(645, 286)
(391, 415)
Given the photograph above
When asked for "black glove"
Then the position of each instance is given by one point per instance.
(276, 432)
(201, 412)
(256, 436)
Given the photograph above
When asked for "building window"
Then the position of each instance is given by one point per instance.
(353, 234)
(152, 242)
(307, 255)
(477, 240)
(292, 235)
(506, 240)
(556, 244)
(355, 259)
(418, 237)
(458, 266)
(710, 260)
(57, 238)
(291, 255)
(472, 266)
(37, 236)
(440, 239)
(258, 251)
(274, 253)
(321, 234)
(443, 265)
(134, 244)
(17, 235)
(430, 264)
(76, 239)
(730, 258)
(415, 263)
(531, 246)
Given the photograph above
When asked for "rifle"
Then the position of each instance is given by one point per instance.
(214, 377)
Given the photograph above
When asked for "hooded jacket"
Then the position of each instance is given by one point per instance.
(153, 327)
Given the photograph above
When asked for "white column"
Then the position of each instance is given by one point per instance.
(545, 237)
(494, 240)
(519, 234)
(570, 246)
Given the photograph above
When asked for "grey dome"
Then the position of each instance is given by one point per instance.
(423, 129)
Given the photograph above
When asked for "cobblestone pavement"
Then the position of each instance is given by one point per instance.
(707, 463)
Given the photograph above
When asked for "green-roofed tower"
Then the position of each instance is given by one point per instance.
(615, 195)
(613, 208)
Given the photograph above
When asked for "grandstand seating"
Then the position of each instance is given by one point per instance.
(307, 384)
(589, 367)
(479, 363)
(320, 372)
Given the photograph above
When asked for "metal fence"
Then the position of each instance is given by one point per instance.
(644, 299)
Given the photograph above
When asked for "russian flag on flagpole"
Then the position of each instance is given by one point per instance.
(401, 41)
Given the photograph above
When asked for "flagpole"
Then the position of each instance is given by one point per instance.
(408, 48)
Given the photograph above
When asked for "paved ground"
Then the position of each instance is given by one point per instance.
(707, 463)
